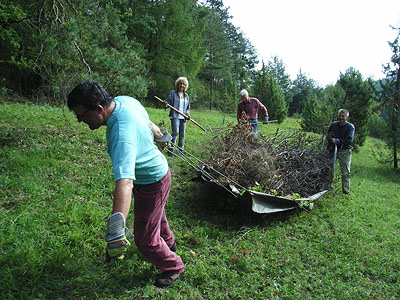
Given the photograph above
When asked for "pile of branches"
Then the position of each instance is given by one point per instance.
(286, 163)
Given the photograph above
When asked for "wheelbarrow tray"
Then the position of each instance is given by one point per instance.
(261, 203)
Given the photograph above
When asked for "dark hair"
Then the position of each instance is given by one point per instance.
(88, 94)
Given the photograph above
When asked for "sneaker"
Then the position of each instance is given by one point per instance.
(165, 279)
(173, 247)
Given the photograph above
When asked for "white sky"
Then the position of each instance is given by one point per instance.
(320, 37)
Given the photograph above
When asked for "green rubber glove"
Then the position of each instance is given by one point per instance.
(117, 243)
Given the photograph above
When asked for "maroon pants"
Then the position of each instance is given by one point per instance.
(153, 237)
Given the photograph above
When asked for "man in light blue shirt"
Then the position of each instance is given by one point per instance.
(130, 143)
(138, 165)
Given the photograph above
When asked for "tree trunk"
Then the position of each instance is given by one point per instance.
(211, 76)
(395, 113)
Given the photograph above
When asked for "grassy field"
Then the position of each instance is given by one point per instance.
(56, 190)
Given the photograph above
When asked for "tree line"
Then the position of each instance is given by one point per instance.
(134, 47)
(140, 47)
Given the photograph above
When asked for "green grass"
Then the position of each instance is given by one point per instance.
(56, 190)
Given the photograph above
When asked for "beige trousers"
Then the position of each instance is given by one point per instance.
(344, 158)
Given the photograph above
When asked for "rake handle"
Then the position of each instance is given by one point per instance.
(181, 113)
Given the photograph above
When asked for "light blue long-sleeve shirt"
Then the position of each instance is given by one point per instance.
(130, 144)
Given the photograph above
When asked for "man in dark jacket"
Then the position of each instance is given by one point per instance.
(341, 135)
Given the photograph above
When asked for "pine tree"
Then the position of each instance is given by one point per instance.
(301, 90)
(52, 45)
(217, 62)
(391, 95)
(314, 115)
(358, 99)
(230, 57)
(276, 67)
(172, 36)
(268, 91)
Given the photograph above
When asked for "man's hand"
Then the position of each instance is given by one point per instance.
(156, 130)
(265, 119)
(117, 242)
(332, 141)
(164, 141)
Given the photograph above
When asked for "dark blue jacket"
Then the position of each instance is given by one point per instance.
(343, 135)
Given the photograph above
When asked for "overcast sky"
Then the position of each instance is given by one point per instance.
(320, 37)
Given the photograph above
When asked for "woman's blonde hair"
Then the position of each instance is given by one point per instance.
(184, 80)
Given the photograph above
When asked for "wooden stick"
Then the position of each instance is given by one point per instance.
(272, 121)
(181, 113)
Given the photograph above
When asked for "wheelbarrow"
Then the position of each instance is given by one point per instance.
(262, 203)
